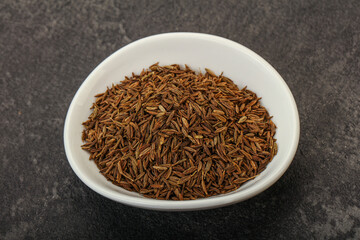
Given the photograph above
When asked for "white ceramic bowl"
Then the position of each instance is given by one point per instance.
(198, 51)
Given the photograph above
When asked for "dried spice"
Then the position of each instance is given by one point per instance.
(170, 133)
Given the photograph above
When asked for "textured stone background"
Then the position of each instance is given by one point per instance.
(48, 48)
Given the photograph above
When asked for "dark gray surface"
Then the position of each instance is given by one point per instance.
(48, 48)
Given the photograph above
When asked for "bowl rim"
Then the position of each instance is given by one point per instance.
(198, 204)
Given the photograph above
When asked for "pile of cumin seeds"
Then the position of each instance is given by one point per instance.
(170, 133)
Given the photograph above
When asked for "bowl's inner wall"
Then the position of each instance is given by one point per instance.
(236, 62)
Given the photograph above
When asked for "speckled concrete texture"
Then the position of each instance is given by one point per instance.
(48, 48)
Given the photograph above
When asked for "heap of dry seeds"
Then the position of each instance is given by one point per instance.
(170, 133)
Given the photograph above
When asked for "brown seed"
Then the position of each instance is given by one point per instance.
(184, 179)
(162, 108)
(242, 119)
(160, 168)
(210, 72)
(204, 187)
(216, 111)
(190, 170)
(219, 130)
(186, 124)
(220, 117)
